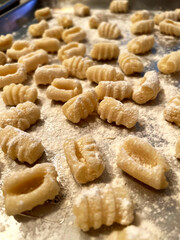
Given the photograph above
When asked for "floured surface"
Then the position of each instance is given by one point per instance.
(157, 211)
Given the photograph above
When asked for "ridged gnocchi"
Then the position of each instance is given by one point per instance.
(55, 32)
(109, 30)
(105, 51)
(178, 148)
(141, 44)
(74, 34)
(37, 29)
(3, 58)
(169, 27)
(81, 10)
(140, 15)
(96, 19)
(172, 110)
(48, 44)
(5, 42)
(173, 15)
(43, 13)
(119, 6)
(142, 27)
(170, 63)
(65, 21)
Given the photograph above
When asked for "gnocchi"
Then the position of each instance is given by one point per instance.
(173, 15)
(105, 51)
(74, 34)
(109, 30)
(119, 6)
(65, 21)
(170, 27)
(43, 13)
(142, 27)
(55, 32)
(140, 15)
(178, 148)
(96, 19)
(3, 58)
(37, 29)
(48, 44)
(170, 63)
(81, 10)
(141, 44)
(5, 42)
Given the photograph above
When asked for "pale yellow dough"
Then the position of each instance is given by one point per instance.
(65, 21)
(142, 27)
(3, 58)
(96, 19)
(54, 32)
(81, 10)
(173, 15)
(170, 63)
(74, 34)
(105, 51)
(170, 27)
(43, 13)
(6, 42)
(141, 44)
(109, 30)
(37, 29)
(178, 148)
(140, 15)
(48, 44)
(119, 6)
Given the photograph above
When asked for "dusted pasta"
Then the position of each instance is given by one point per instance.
(81, 10)
(96, 19)
(170, 63)
(109, 30)
(140, 15)
(48, 44)
(173, 15)
(119, 6)
(74, 34)
(5, 42)
(178, 148)
(37, 29)
(65, 21)
(141, 44)
(105, 51)
(55, 32)
(170, 27)
(43, 13)
(3, 58)
(142, 27)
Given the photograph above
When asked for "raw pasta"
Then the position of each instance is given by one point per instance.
(109, 30)
(103, 204)
(74, 34)
(173, 15)
(96, 19)
(119, 6)
(142, 27)
(178, 13)
(83, 158)
(139, 159)
(113, 110)
(170, 27)
(3, 58)
(178, 148)
(5, 42)
(37, 29)
(105, 51)
(65, 21)
(20, 145)
(43, 13)
(170, 63)
(140, 15)
(27, 188)
(81, 106)
(48, 44)
(62, 89)
(14, 94)
(141, 44)
(55, 32)
(81, 10)
(22, 116)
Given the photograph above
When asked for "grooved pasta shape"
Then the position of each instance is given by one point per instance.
(173, 15)
(30, 187)
(74, 34)
(77, 66)
(103, 204)
(178, 148)
(113, 110)
(22, 116)
(119, 6)
(146, 88)
(65, 21)
(81, 106)
(130, 63)
(81, 10)
(3, 58)
(96, 19)
(140, 15)
(37, 29)
(177, 10)
(20, 145)
(5, 42)
(170, 27)
(139, 159)
(43, 13)
(83, 158)
(172, 110)
(104, 72)
(142, 27)
(141, 44)
(55, 32)
(109, 30)
(105, 51)
(62, 89)
(48, 44)
(170, 63)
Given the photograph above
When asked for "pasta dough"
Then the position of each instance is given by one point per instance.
(43, 13)
(48, 44)
(105, 51)
(142, 27)
(109, 30)
(170, 27)
(37, 29)
(96, 19)
(3, 58)
(173, 15)
(141, 44)
(65, 21)
(140, 15)
(170, 63)
(119, 6)
(55, 32)
(5, 42)
(178, 148)
(81, 10)
(74, 34)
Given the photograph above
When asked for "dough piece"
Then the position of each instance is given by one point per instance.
(113, 110)
(173, 15)
(37, 29)
(118, 90)
(96, 19)
(22, 116)
(146, 88)
(170, 63)
(142, 27)
(77, 66)
(32, 60)
(104, 72)
(140, 15)
(130, 63)
(46, 74)
(74, 34)
(3, 58)
(170, 27)
(81, 10)
(50, 45)
(141, 44)
(84, 159)
(119, 6)
(30, 187)
(103, 204)
(43, 13)
(20, 145)
(65, 21)
(142, 161)
(105, 51)
(109, 30)
(12, 73)
(172, 110)
(70, 50)
(62, 89)
(178, 148)
(5, 42)
(14, 94)
(55, 32)
(177, 10)
(81, 106)
(19, 48)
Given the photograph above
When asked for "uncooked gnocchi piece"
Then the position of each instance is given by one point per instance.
(142, 161)
(19, 49)
(81, 106)
(62, 89)
(43, 13)
(14, 94)
(178, 148)
(81, 10)
(32, 60)
(5, 42)
(84, 159)
(96, 19)
(113, 110)
(71, 49)
(169, 27)
(109, 30)
(141, 44)
(30, 187)
(74, 34)
(65, 21)
(140, 15)
(177, 10)
(20, 145)
(170, 63)
(77, 66)
(3, 58)
(55, 32)
(103, 204)
(46, 74)
(146, 88)
(37, 29)
(105, 51)
(130, 63)
(119, 6)
(118, 90)
(48, 44)
(172, 110)
(104, 72)
(173, 15)
(22, 116)
(142, 27)
(12, 73)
